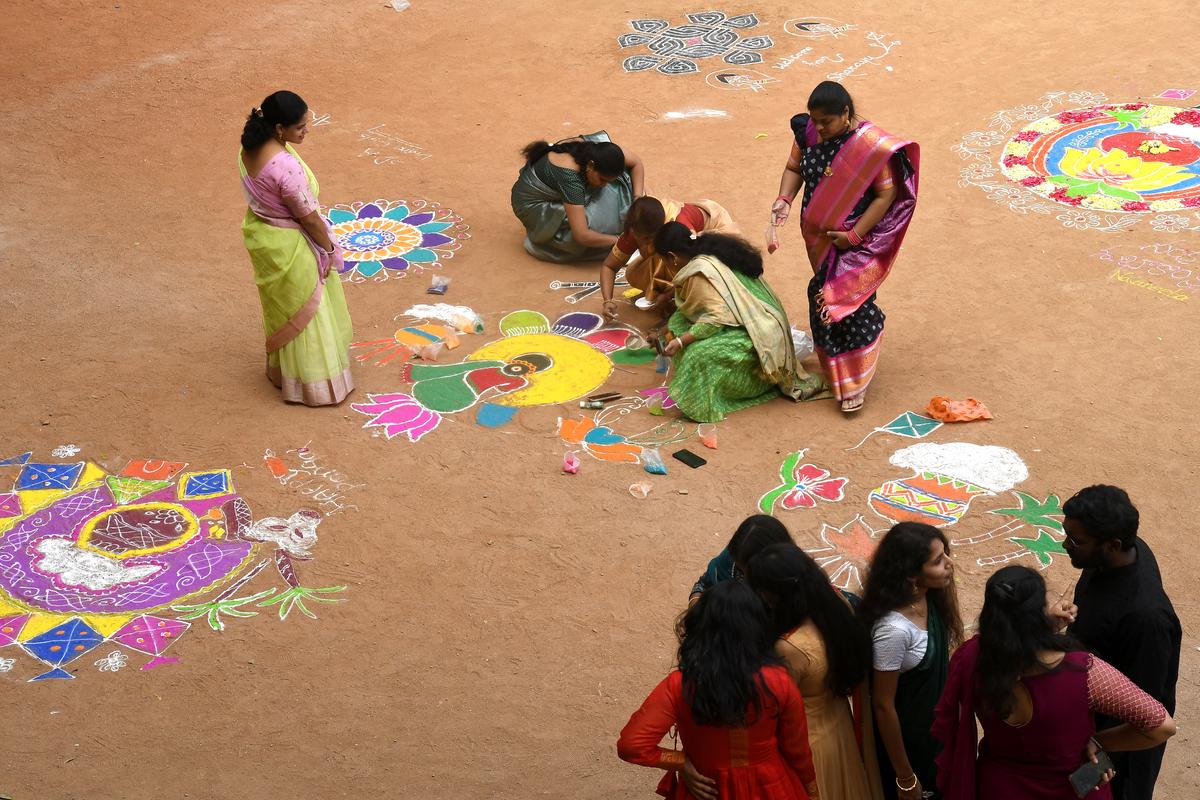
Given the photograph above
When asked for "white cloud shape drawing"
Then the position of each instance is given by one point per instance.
(996, 469)
(76, 567)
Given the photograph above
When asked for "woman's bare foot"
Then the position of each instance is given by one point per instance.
(853, 404)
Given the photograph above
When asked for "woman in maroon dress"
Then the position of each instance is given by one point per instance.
(1035, 694)
(739, 715)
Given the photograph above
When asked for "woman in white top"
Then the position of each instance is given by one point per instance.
(910, 605)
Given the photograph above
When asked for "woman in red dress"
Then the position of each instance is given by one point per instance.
(739, 715)
(1035, 693)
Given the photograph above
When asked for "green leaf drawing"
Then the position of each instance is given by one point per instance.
(295, 597)
(1035, 513)
(787, 472)
(1041, 547)
(1126, 117)
(213, 609)
(1063, 180)
(1119, 193)
(1083, 189)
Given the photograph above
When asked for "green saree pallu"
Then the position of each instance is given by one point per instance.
(538, 203)
(742, 354)
(305, 319)
(917, 693)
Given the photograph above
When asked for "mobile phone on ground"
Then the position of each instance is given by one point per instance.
(688, 457)
(1088, 777)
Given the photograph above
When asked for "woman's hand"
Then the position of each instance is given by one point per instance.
(780, 210)
(701, 787)
(610, 310)
(1092, 751)
(841, 239)
(674, 346)
(914, 792)
(1062, 614)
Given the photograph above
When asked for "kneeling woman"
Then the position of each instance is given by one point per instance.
(732, 344)
(646, 217)
(572, 196)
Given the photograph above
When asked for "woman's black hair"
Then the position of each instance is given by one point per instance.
(645, 216)
(900, 558)
(606, 157)
(756, 533)
(830, 97)
(1013, 628)
(732, 251)
(797, 590)
(724, 642)
(279, 108)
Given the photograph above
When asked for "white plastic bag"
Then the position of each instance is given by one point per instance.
(803, 344)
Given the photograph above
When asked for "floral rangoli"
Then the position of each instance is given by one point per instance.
(390, 238)
(1135, 158)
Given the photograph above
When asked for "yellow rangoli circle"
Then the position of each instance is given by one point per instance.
(578, 368)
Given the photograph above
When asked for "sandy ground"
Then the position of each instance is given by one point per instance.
(502, 620)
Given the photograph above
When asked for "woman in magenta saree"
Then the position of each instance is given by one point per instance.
(860, 189)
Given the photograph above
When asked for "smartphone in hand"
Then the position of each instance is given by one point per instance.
(1088, 777)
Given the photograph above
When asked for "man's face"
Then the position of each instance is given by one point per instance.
(1086, 551)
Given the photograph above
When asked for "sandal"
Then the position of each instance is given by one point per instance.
(853, 404)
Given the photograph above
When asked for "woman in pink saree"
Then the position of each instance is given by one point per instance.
(860, 189)
(305, 320)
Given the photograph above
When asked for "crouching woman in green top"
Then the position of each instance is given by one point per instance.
(572, 196)
(732, 345)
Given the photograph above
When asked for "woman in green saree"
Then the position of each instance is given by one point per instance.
(295, 261)
(732, 344)
(911, 607)
(572, 196)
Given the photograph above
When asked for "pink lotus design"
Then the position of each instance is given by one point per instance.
(803, 485)
(398, 413)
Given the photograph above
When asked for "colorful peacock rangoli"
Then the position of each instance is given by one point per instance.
(87, 557)
(535, 363)
(391, 238)
(1135, 158)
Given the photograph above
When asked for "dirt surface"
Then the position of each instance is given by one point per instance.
(502, 620)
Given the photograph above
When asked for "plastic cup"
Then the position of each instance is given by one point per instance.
(641, 489)
(708, 435)
(570, 463)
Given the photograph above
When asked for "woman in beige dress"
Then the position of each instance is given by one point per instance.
(828, 653)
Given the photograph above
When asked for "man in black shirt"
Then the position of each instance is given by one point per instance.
(1123, 614)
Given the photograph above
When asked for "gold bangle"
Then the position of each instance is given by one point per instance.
(916, 782)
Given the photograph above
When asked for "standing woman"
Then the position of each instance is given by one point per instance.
(860, 189)
(572, 196)
(910, 605)
(295, 261)
(828, 653)
(1036, 693)
(739, 717)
